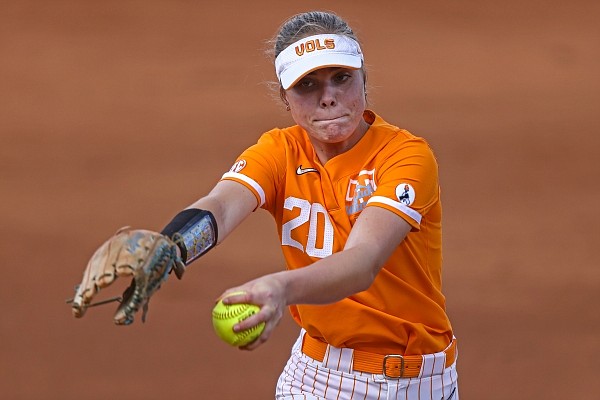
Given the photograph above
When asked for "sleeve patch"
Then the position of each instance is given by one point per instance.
(238, 166)
(405, 194)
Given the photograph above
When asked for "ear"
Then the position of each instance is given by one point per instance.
(283, 96)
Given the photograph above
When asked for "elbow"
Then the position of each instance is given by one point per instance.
(367, 268)
(364, 286)
(366, 279)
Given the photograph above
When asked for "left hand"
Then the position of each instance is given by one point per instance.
(145, 256)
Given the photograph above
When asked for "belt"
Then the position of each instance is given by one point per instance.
(391, 365)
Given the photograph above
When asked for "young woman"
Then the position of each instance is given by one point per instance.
(356, 201)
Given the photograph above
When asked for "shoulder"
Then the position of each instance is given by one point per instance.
(399, 141)
(283, 142)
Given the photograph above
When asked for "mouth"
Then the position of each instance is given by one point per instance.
(330, 119)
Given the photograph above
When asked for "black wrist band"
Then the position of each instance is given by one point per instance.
(194, 231)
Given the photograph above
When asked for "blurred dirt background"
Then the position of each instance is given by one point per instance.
(121, 113)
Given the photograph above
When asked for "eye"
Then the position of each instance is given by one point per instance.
(304, 83)
(342, 77)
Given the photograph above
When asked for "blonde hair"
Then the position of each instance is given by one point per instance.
(307, 24)
(303, 25)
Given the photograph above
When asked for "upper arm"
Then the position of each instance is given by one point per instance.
(230, 203)
(407, 183)
(377, 232)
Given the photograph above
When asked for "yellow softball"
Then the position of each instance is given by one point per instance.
(224, 317)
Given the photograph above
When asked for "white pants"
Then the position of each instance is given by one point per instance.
(306, 378)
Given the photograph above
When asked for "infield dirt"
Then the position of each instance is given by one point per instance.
(121, 113)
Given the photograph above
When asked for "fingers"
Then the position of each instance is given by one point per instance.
(91, 283)
(267, 315)
(84, 293)
(99, 273)
(236, 296)
(266, 293)
(128, 253)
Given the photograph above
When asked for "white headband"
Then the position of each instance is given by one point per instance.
(314, 52)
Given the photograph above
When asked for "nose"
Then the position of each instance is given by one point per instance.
(328, 96)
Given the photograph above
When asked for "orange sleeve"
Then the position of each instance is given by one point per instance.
(261, 168)
(407, 182)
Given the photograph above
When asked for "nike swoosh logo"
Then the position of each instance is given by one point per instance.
(301, 171)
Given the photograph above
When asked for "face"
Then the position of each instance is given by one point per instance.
(329, 104)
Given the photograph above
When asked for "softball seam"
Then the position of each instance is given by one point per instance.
(231, 311)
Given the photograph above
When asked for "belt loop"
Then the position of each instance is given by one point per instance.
(340, 359)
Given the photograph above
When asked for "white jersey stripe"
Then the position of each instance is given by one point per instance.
(249, 181)
(414, 215)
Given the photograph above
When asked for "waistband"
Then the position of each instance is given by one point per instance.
(390, 365)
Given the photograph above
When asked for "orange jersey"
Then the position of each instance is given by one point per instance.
(315, 207)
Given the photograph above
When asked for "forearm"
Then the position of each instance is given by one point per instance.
(371, 242)
(330, 279)
(206, 222)
(230, 203)
(215, 207)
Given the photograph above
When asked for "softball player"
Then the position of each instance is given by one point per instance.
(357, 205)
